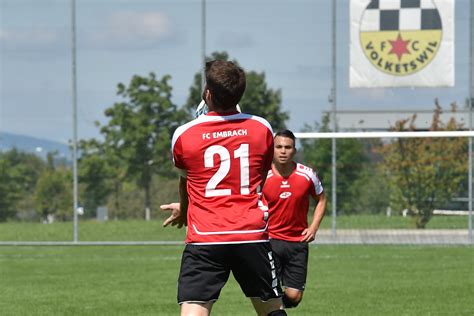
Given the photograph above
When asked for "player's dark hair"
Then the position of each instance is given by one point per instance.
(226, 81)
(286, 133)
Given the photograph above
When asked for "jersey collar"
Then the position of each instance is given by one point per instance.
(275, 170)
(213, 113)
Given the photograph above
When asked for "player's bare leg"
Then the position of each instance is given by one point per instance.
(292, 297)
(265, 308)
(196, 309)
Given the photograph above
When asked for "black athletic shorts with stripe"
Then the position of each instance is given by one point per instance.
(292, 262)
(206, 268)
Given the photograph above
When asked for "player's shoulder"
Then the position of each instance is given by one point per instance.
(305, 171)
(185, 127)
(270, 173)
(256, 121)
(303, 168)
(260, 120)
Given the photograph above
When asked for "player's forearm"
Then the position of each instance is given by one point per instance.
(317, 218)
(319, 211)
(183, 197)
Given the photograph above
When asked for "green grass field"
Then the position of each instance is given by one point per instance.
(140, 230)
(141, 280)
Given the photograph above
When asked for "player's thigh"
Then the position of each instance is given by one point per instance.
(296, 269)
(253, 266)
(196, 309)
(280, 254)
(204, 271)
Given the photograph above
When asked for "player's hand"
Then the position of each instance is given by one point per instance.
(175, 218)
(308, 234)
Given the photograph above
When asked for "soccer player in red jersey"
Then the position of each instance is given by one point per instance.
(288, 188)
(223, 158)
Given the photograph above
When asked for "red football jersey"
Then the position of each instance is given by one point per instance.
(225, 158)
(288, 201)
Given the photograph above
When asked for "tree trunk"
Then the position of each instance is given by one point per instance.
(117, 197)
(422, 219)
(147, 202)
(420, 224)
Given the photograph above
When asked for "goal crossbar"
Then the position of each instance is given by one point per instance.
(433, 134)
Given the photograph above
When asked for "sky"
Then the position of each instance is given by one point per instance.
(288, 40)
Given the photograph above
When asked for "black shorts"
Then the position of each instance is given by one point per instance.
(292, 262)
(206, 268)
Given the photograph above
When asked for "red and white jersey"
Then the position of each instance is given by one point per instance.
(225, 158)
(288, 201)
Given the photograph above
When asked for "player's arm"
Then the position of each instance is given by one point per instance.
(183, 200)
(268, 160)
(310, 232)
(179, 210)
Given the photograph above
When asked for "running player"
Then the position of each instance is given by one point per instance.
(223, 158)
(288, 188)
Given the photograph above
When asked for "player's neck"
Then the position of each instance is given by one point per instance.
(212, 107)
(221, 111)
(285, 169)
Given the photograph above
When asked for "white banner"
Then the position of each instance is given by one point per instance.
(401, 43)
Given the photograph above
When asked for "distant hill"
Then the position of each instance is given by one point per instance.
(38, 146)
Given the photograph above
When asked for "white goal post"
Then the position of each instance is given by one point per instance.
(423, 134)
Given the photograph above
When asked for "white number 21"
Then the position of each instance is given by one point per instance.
(242, 152)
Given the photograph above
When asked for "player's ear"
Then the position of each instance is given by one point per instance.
(293, 154)
(206, 93)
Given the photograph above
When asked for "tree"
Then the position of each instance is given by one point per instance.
(139, 130)
(258, 99)
(131, 198)
(350, 159)
(19, 172)
(371, 193)
(95, 175)
(9, 190)
(118, 174)
(424, 172)
(53, 192)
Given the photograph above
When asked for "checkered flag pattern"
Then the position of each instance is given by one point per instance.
(401, 15)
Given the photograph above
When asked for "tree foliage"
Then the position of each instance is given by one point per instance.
(140, 127)
(95, 176)
(53, 191)
(258, 98)
(9, 190)
(131, 198)
(19, 173)
(350, 159)
(425, 172)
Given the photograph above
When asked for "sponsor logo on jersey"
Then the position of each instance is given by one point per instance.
(285, 195)
(284, 184)
(400, 38)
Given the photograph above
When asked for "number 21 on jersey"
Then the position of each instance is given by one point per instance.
(242, 153)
